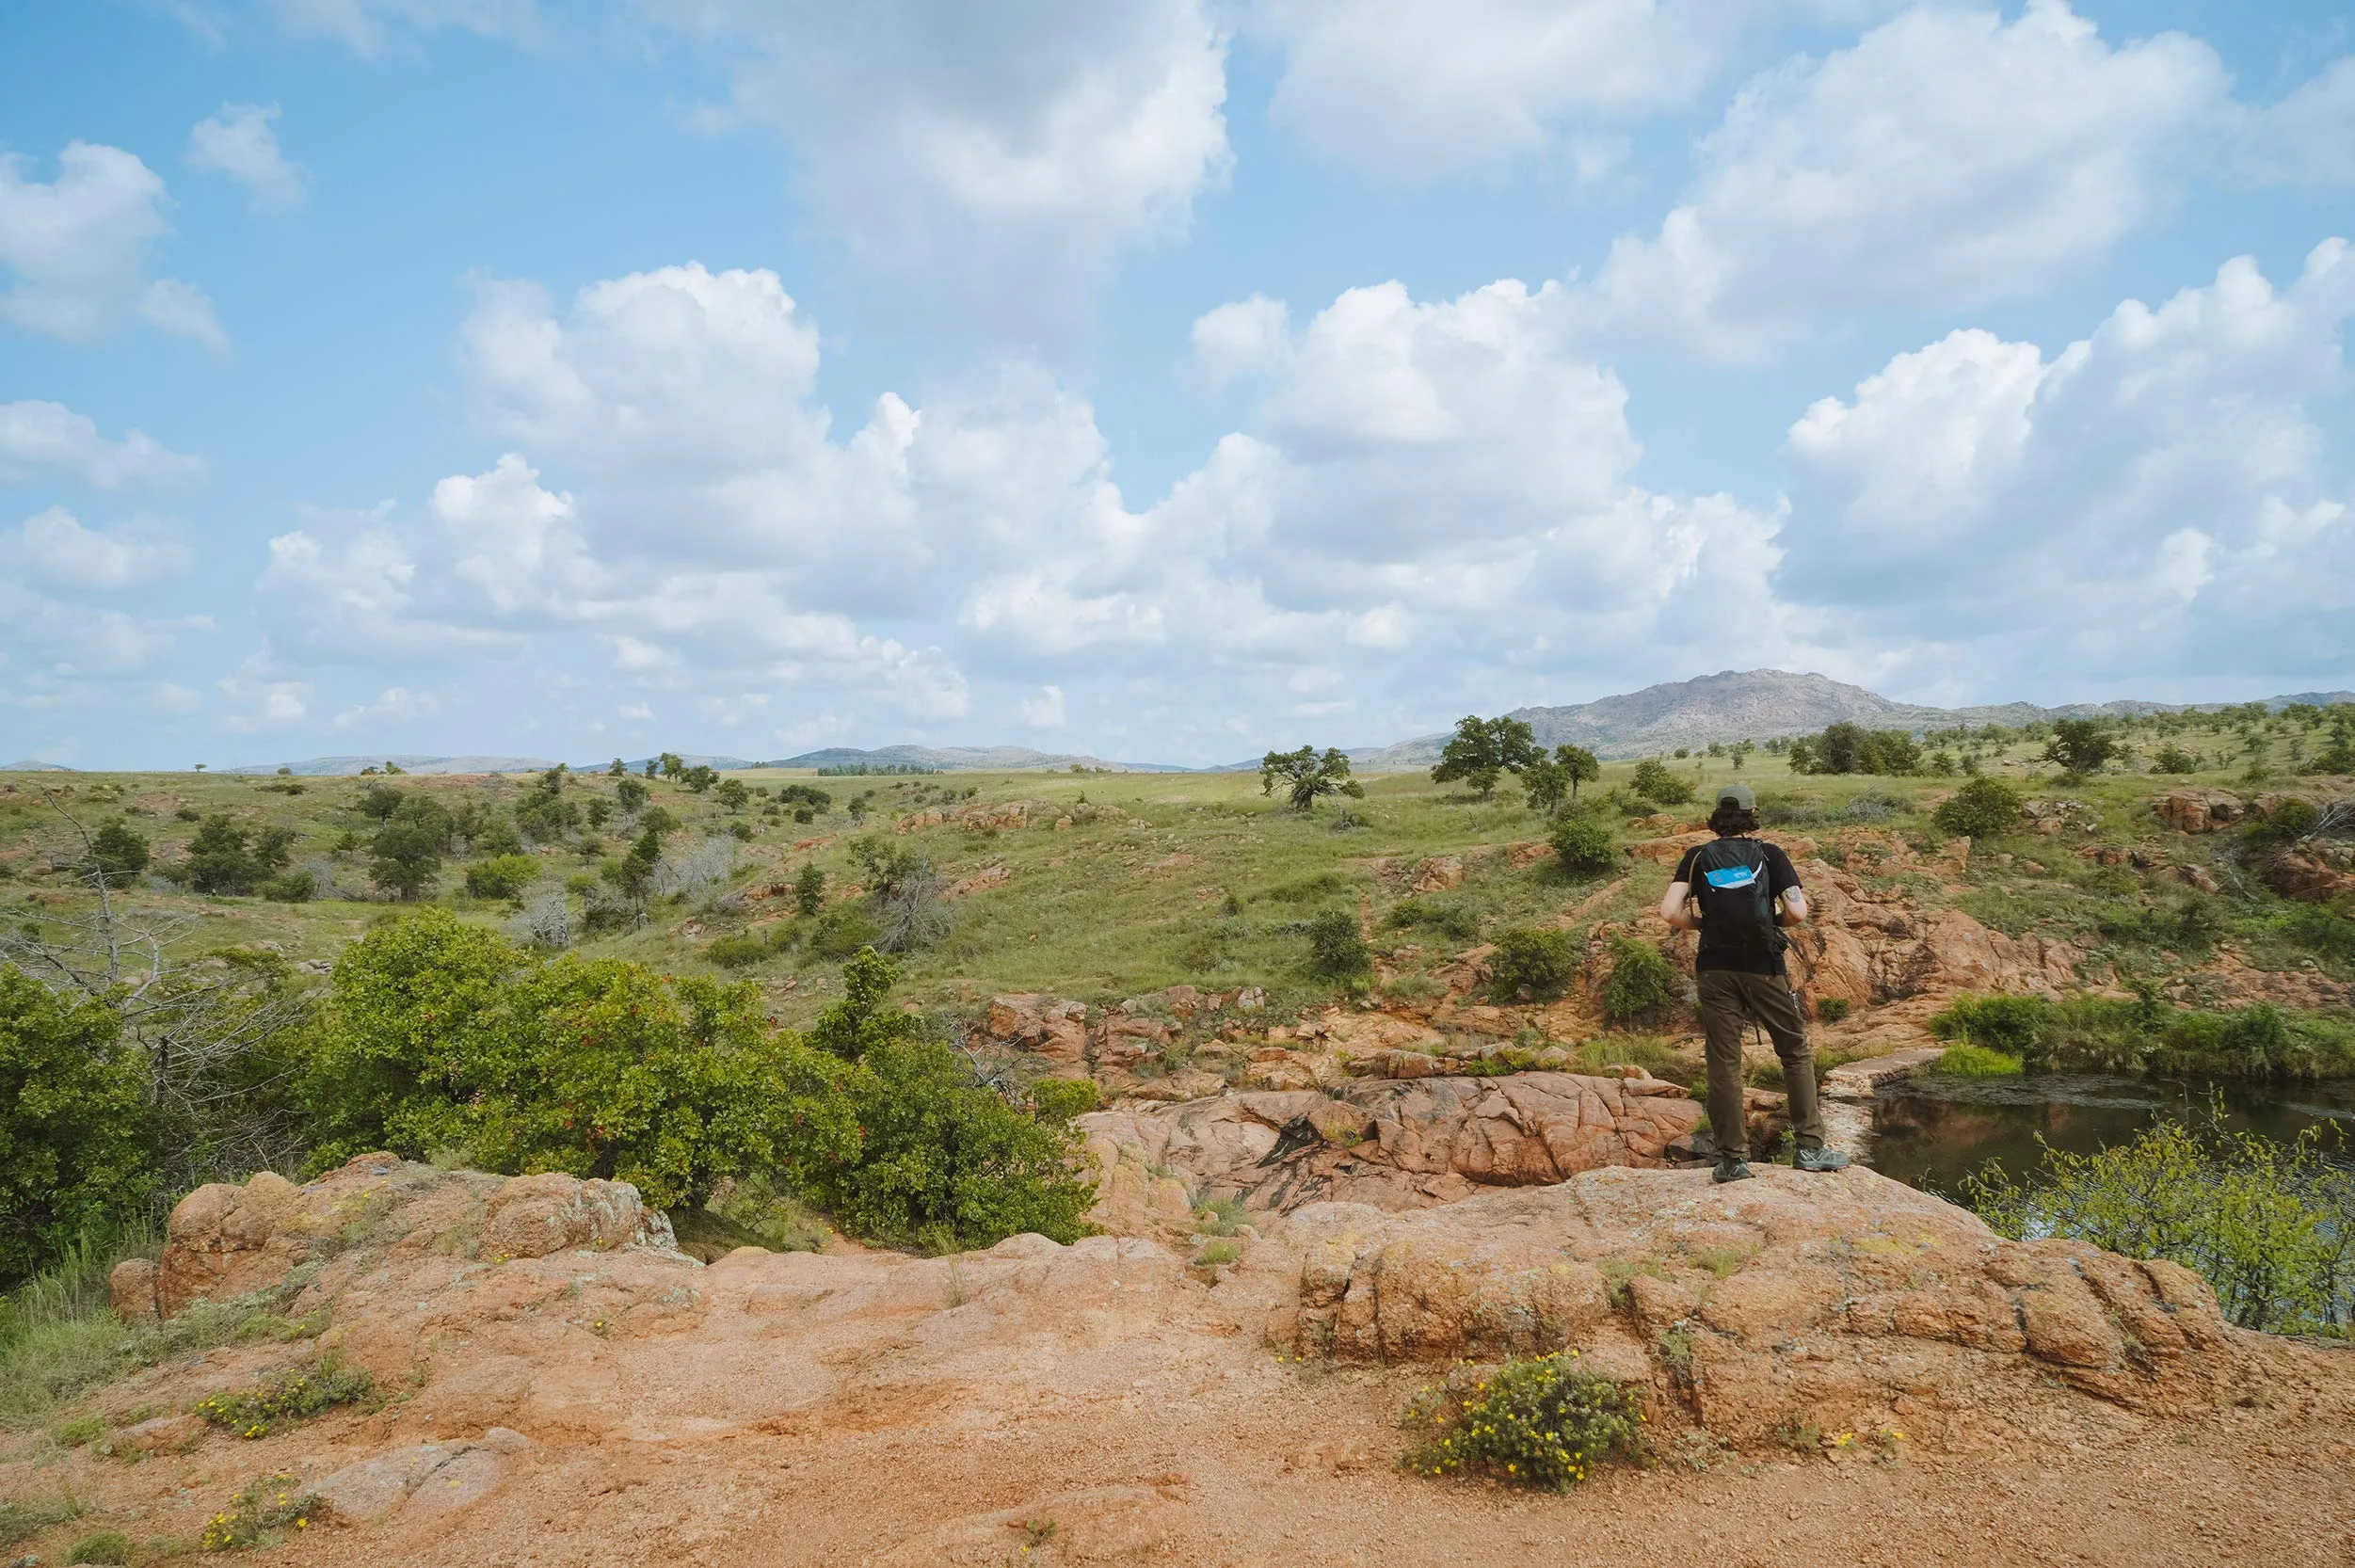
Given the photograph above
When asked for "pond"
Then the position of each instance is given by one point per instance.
(1931, 1129)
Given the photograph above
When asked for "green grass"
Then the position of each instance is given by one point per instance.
(1969, 1061)
(60, 1336)
(1200, 880)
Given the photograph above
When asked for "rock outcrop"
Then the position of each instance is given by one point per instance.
(1785, 1301)
(225, 1239)
(1397, 1143)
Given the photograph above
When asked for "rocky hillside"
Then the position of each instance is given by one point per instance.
(1758, 704)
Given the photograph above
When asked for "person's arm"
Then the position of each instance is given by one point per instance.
(1790, 901)
(1674, 910)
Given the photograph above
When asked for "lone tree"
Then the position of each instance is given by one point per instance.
(2081, 746)
(1481, 751)
(1304, 776)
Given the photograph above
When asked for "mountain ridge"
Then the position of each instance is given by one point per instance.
(1762, 705)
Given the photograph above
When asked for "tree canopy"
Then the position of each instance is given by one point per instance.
(1305, 775)
(1483, 751)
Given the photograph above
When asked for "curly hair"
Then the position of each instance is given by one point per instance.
(1729, 820)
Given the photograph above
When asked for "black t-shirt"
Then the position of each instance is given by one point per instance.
(1781, 876)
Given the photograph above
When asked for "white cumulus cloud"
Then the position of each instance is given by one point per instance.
(79, 247)
(987, 164)
(241, 142)
(1948, 159)
(35, 434)
(2154, 498)
(53, 546)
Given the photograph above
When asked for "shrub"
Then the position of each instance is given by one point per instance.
(1445, 916)
(1336, 950)
(1541, 1423)
(2321, 931)
(501, 875)
(1831, 1009)
(438, 1035)
(1584, 846)
(1656, 783)
(1981, 809)
(2265, 1222)
(1642, 983)
(1969, 1061)
(74, 1124)
(1540, 962)
(290, 887)
(1056, 1101)
(261, 1515)
(744, 949)
(842, 930)
(111, 1549)
(809, 886)
(295, 1395)
(2019, 1026)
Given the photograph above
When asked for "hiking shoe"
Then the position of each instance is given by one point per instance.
(1819, 1159)
(1729, 1169)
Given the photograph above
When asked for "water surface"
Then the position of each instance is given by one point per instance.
(1929, 1129)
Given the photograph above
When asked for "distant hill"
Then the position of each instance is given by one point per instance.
(33, 764)
(960, 759)
(337, 767)
(1758, 704)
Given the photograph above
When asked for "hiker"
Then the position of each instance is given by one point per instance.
(1737, 892)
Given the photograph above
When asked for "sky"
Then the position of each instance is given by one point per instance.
(1167, 382)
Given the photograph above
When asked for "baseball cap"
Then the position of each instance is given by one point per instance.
(1740, 794)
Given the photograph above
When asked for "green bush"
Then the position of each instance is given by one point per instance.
(1056, 1101)
(2321, 931)
(1641, 983)
(1527, 958)
(2020, 1027)
(290, 887)
(501, 875)
(74, 1125)
(1657, 783)
(1831, 1009)
(294, 1394)
(936, 1161)
(842, 930)
(110, 1548)
(2188, 924)
(1541, 1423)
(1969, 1061)
(1981, 809)
(2146, 1036)
(1585, 847)
(744, 949)
(260, 1515)
(1446, 917)
(2270, 1226)
(439, 1035)
(1336, 951)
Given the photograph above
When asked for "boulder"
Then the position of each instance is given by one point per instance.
(131, 1288)
(423, 1481)
(1053, 1027)
(1436, 874)
(2198, 811)
(534, 1216)
(1846, 1302)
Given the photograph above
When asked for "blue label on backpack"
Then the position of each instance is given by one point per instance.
(1725, 881)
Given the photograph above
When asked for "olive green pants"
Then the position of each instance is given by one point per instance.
(1730, 1002)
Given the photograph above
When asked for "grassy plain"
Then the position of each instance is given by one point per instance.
(1198, 878)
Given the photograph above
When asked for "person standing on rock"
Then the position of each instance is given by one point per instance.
(1738, 892)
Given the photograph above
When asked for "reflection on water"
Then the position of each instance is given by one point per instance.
(1930, 1130)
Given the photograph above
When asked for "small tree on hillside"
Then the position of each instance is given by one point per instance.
(1305, 775)
(1549, 782)
(2081, 746)
(1483, 751)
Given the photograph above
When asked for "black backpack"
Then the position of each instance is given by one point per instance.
(1729, 877)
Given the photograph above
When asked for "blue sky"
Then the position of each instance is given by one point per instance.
(1168, 381)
